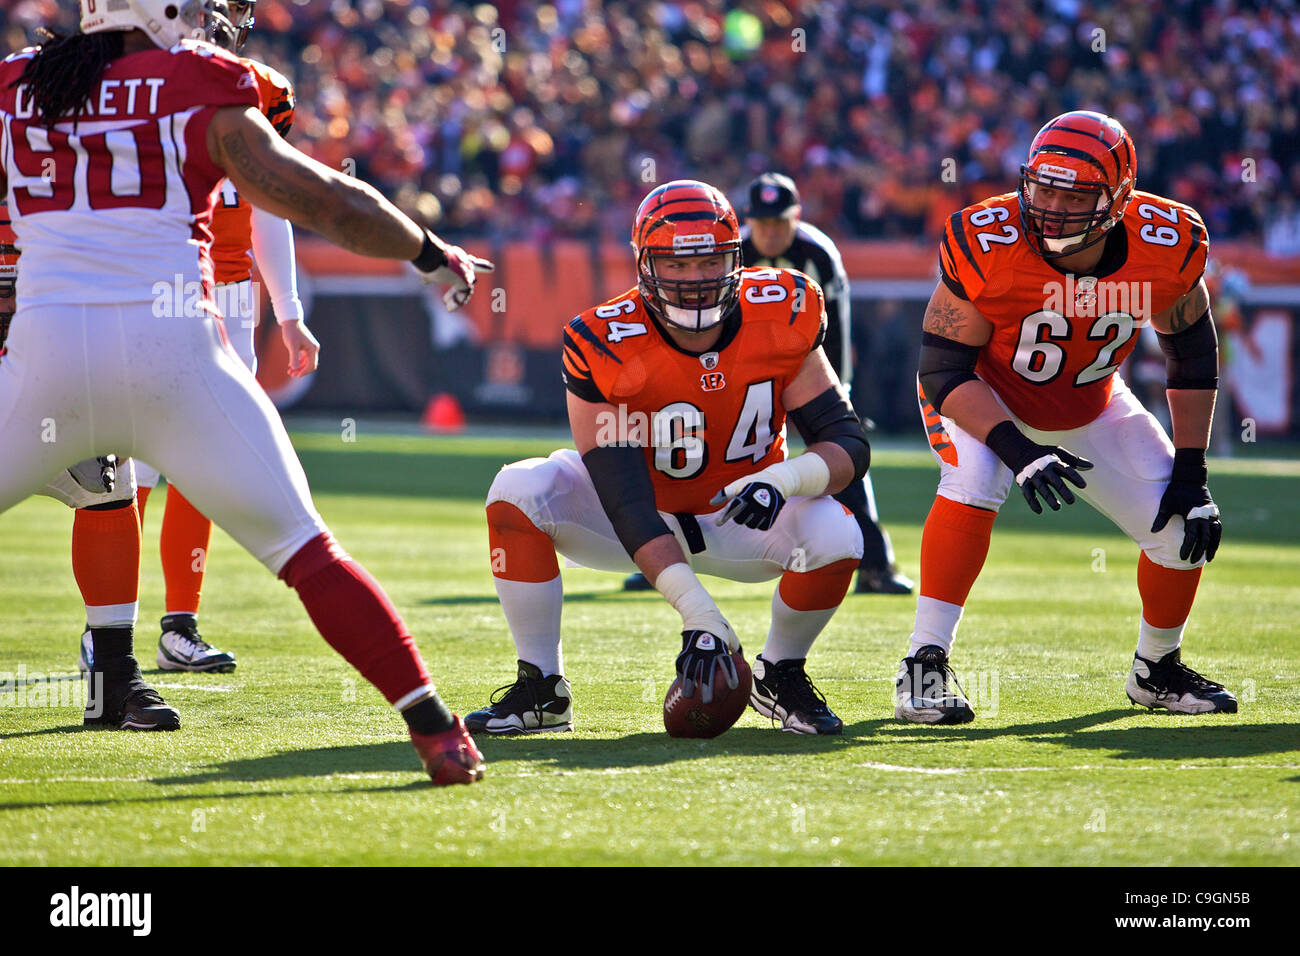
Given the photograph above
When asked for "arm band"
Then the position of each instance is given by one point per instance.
(1192, 355)
(944, 365)
(432, 255)
(626, 493)
(829, 417)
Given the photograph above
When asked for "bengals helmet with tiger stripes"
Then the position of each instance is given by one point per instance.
(1078, 152)
(687, 218)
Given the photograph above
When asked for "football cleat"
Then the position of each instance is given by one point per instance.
(886, 580)
(180, 648)
(127, 703)
(784, 692)
(86, 657)
(450, 756)
(533, 704)
(1171, 684)
(923, 691)
(637, 582)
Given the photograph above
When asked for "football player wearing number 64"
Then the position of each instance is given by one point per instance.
(1043, 291)
(678, 392)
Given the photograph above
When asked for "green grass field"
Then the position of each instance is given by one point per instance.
(293, 760)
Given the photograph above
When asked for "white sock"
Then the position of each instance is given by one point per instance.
(532, 612)
(112, 615)
(1155, 642)
(792, 632)
(936, 623)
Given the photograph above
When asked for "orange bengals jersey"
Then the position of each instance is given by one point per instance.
(1059, 338)
(232, 218)
(705, 419)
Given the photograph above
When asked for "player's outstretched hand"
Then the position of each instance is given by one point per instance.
(303, 349)
(453, 267)
(755, 506)
(1039, 469)
(701, 653)
(1189, 497)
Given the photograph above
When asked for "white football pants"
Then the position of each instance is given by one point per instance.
(558, 496)
(88, 380)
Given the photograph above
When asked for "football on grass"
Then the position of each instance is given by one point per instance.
(691, 717)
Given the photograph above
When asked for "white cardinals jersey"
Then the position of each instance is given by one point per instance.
(117, 207)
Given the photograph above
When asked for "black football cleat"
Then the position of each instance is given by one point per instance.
(637, 582)
(924, 690)
(1171, 684)
(125, 702)
(784, 692)
(533, 704)
(886, 580)
(180, 648)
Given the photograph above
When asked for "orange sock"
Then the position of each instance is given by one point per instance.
(1167, 593)
(954, 544)
(106, 563)
(817, 590)
(520, 550)
(141, 496)
(186, 534)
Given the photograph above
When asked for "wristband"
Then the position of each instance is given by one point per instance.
(1190, 466)
(431, 255)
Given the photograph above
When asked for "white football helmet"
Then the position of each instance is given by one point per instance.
(166, 21)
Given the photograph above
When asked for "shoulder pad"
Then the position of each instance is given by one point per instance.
(976, 239)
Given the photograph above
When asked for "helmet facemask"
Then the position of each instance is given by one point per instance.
(1061, 232)
(692, 303)
(232, 21)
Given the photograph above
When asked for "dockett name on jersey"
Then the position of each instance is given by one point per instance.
(700, 431)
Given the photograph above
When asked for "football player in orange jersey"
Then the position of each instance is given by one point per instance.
(678, 395)
(239, 232)
(1042, 294)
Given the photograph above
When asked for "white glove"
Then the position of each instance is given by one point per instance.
(458, 272)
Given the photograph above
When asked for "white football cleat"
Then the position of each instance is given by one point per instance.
(1172, 685)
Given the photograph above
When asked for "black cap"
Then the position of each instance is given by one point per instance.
(772, 196)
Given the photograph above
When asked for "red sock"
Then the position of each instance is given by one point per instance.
(954, 544)
(141, 496)
(186, 534)
(817, 590)
(520, 550)
(357, 619)
(106, 555)
(1167, 593)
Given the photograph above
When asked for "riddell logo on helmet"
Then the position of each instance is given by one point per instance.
(703, 240)
(1047, 171)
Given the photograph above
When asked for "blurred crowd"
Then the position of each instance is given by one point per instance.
(530, 120)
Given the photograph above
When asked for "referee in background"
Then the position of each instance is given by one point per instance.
(774, 236)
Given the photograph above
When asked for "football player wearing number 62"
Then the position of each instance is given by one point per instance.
(678, 393)
(1043, 291)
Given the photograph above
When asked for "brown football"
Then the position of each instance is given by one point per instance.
(691, 717)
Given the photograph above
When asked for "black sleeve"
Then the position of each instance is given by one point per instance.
(577, 372)
(626, 493)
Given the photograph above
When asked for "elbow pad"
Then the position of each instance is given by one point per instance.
(626, 494)
(830, 417)
(944, 365)
(1192, 355)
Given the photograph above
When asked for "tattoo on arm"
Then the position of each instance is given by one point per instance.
(237, 151)
(943, 319)
(1188, 309)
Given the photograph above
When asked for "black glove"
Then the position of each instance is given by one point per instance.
(96, 475)
(756, 506)
(701, 652)
(1038, 468)
(1188, 497)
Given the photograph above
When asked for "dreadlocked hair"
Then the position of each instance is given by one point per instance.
(65, 69)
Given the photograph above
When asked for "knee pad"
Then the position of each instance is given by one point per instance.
(528, 485)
